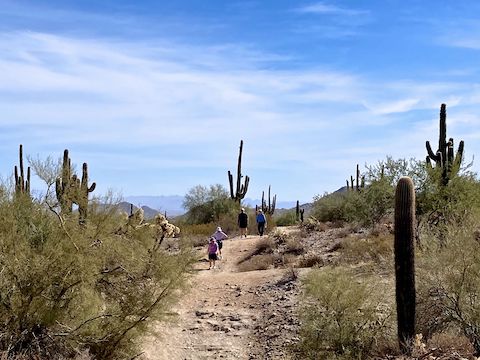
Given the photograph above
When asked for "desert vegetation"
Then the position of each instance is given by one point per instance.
(390, 263)
(428, 257)
(78, 283)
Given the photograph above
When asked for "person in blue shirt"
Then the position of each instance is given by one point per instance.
(261, 222)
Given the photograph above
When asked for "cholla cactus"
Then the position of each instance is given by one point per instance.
(164, 228)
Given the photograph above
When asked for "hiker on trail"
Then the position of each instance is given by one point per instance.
(212, 252)
(219, 236)
(261, 222)
(243, 222)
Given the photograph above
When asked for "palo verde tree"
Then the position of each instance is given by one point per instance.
(205, 204)
(68, 288)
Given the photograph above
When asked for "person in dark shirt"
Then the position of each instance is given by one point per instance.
(243, 223)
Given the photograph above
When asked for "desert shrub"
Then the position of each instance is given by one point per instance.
(378, 202)
(280, 236)
(203, 230)
(257, 262)
(370, 205)
(265, 245)
(313, 224)
(66, 287)
(391, 170)
(287, 218)
(441, 207)
(378, 249)
(311, 260)
(294, 246)
(208, 204)
(449, 285)
(331, 207)
(342, 317)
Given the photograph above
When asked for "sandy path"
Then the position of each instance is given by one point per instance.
(218, 316)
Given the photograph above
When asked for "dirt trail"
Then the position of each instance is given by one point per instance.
(227, 314)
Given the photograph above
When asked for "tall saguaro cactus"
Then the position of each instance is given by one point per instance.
(71, 190)
(444, 157)
(405, 263)
(22, 185)
(241, 189)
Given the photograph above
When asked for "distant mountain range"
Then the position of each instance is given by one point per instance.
(148, 213)
(172, 204)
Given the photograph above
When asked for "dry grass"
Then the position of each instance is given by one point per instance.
(376, 249)
(258, 262)
(280, 236)
(451, 343)
(294, 246)
(311, 261)
(265, 245)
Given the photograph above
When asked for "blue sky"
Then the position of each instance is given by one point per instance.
(156, 95)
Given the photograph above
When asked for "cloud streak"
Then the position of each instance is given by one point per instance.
(322, 8)
(152, 110)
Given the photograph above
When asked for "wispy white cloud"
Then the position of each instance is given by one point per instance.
(392, 107)
(330, 9)
(122, 105)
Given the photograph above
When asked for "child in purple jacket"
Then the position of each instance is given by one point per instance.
(212, 252)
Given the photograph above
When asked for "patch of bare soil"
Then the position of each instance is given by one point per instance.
(231, 315)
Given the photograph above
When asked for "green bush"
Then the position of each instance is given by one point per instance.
(331, 207)
(287, 218)
(441, 207)
(209, 204)
(342, 317)
(66, 288)
(449, 285)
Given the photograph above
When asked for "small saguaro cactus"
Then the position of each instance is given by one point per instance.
(405, 263)
(22, 185)
(299, 212)
(270, 207)
(82, 194)
(64, 186)
(241, 189)
(359, 181)
(444, 157)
